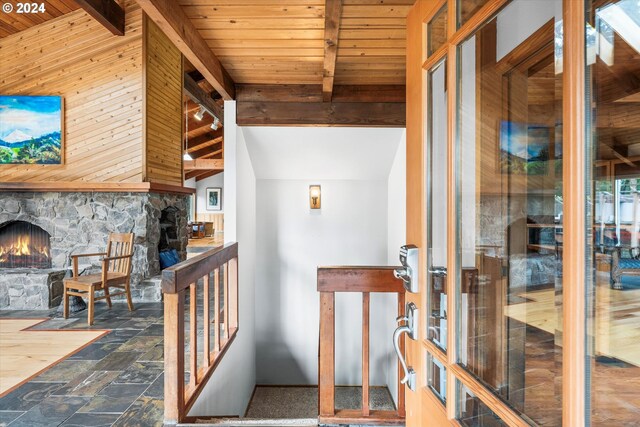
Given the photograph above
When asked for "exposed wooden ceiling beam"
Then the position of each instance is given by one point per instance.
(195, 92)
(200, 173)
(332, 14)
(209, 151)
(202, 141)
(218, 154)
(203, 164)
(171, 19)
(313, 93)
(380, 114)
(106, 12)
(208, 174)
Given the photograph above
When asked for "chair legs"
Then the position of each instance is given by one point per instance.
(65, 301)
(90, 307)
(127, 290)
(107, 296)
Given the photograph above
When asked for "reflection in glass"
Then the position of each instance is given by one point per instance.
(467, 8)
(437, 205)
(437, 31)
(510, 208)
(437, 377)
(614, 160)
(472, 412)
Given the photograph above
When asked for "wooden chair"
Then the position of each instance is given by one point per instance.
(116, 273)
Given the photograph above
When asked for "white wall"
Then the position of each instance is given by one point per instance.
(231, 385)
(396, 237)
(350, 229)
(201, 192)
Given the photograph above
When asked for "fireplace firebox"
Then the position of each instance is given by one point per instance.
(24, 245)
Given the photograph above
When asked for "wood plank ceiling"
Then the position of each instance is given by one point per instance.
(14, 22)
(282, 41)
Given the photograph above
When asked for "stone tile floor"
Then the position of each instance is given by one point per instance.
(115, 381)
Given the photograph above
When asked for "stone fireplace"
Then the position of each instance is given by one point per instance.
(76, 223)
(24, 245)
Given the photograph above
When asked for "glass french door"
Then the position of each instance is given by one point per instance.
(525, 126)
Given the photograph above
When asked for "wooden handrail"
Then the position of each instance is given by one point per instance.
(354, 279)
(195, 278)
(177, 278)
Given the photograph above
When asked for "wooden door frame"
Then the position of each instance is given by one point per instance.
(423, 407)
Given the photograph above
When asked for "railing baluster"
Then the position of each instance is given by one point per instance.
(225, 302)
(174, 357)
(365, 353)
(326, 369)
(233, 293)
(216, 312)
(193, 336)
(182, 395)
(365, 280)
(206, 323)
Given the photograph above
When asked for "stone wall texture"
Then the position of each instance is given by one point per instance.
(81, 222)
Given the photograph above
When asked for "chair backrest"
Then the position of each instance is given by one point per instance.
(120, 244)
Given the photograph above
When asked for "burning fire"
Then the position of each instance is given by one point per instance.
(21, 247)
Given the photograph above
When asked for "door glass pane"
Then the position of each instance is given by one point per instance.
(437, 205)
(472, 412)
(437, 377)
(467, 8)
(509, 193)
(613, 70)
(437, 31)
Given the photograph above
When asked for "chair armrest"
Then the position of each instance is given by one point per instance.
(74, 260)
(88, 255)
(111, 258)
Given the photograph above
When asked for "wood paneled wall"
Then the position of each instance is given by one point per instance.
(122, 98)
(216, 218)
(163, 112)
(100, 77)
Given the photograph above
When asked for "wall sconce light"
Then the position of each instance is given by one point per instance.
(314, 197)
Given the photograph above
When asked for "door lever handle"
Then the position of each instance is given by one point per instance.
(409, 373)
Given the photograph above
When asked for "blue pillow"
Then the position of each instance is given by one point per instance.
(168, 258)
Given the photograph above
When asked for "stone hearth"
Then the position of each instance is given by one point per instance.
(80, 223)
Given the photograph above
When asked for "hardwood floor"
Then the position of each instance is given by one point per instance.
(617, 326)
(27, 352)
(615, 367)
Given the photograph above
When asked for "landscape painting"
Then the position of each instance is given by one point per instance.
(524, 149)
(31, 130)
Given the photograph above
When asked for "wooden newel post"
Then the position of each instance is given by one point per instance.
(173, 357)
(326, 369)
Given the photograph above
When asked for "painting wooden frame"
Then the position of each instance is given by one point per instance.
(214, 199)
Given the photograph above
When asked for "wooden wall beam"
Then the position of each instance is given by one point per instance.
(171, 19)
(378, 114)
(197, 94)
(332, 15)
(313, 93)
(203, 164)
(106, 12)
